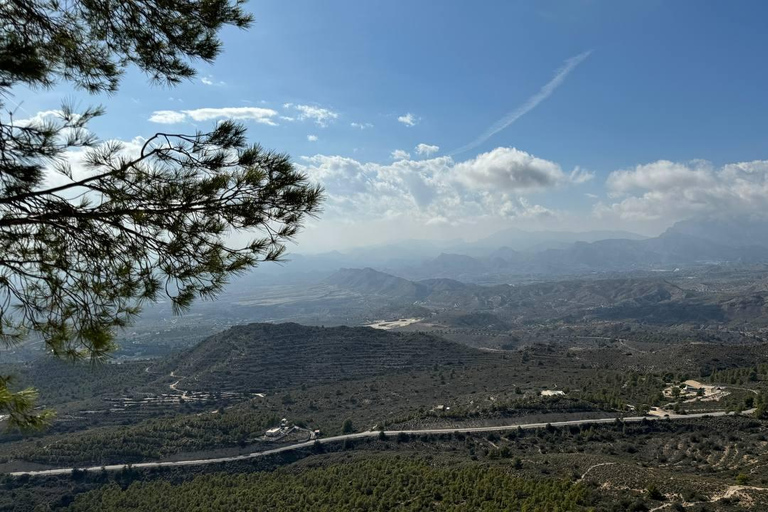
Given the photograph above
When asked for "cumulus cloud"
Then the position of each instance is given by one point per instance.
(426, 149)
(343, 177)
(361, 126)
(255, 114)
(39, 118)
(400, 154)
(672, 190)
(509, 170)
(321, 116)
(436, 191)
(312, 138)
(520, 207)
(408, 119)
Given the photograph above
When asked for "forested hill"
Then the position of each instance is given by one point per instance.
(261, 357)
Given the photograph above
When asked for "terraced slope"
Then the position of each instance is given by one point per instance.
(262, 357)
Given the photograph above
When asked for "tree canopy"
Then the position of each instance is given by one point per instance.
(374, 484)
(83, 246)
(91, 42)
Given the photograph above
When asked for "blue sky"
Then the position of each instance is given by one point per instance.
(662, 119)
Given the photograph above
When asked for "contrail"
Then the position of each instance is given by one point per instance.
(529, 105)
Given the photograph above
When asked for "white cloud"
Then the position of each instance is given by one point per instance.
(321, 116)
(521, 208)
(579, 175)
(408, 119)
(39, 118)
(509, 170)
(255, 114)
(79, 167)
(167, 117)
(662, 174)
(435, 191)
(438, 221)
(400, 154)
(426, 149)
(673, 191)
(361, 126)
(209, 80)
(312, 138)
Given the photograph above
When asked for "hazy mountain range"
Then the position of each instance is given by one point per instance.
(652, 300)
(513, 253)
(686, 243)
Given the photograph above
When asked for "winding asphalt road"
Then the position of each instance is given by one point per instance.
(360, 435)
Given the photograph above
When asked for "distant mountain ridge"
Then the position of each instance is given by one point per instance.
(446, 293)
(511, 254)
(686, 243)
(368, 281)
(535, 241)
(745, 231)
